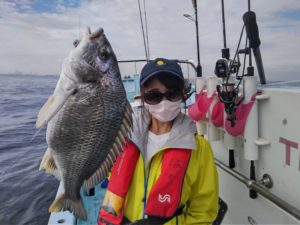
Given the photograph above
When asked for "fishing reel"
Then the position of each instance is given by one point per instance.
(228, 94)
(225, 67)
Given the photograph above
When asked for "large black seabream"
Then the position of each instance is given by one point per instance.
(88, 118)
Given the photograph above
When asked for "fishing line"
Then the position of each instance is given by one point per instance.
(146, 26)
(237, 50)
(36, 133)
(143, 32)
(244, 66)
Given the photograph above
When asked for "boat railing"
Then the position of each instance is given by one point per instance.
(256, 186)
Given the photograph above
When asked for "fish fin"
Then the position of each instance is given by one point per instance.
(63, 203)
(97, 177)
(47, 162)
(50, 108)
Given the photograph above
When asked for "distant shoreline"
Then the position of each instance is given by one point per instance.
(20, 74)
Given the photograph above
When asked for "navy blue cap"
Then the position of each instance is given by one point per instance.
(158, 66)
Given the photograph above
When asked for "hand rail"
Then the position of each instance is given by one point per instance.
(252, 184)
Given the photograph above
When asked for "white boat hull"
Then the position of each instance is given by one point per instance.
(279, 124)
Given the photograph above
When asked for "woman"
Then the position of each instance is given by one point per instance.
(165, 173)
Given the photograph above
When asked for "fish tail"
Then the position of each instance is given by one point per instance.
(64, 203)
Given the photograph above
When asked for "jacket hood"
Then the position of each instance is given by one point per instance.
(181, 134)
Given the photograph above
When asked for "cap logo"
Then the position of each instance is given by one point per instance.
(160, 62)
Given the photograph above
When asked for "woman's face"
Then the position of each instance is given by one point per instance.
(163, 104)
(155, 91)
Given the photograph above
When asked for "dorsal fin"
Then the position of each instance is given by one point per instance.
(115, 150)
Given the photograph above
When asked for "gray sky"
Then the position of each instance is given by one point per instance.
(36, 35)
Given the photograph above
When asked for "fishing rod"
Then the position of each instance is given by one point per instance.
(254, 42)
(146, 41)
(146, 28)
(199, 68)
(224, 68)
(229, 92)
(195, 20)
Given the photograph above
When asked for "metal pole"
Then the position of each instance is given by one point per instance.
(253, 185)
(199, 68)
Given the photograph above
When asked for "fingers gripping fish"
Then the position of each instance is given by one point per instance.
(88, 118)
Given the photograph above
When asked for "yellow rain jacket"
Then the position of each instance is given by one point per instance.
(199, 195)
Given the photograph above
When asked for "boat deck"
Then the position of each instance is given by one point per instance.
(91, 203)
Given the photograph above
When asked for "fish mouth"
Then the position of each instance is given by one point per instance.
(94, 57)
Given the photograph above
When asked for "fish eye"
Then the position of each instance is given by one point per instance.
(104, 55)
(76, 43)
(74, 92)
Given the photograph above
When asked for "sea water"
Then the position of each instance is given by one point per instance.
(25, 192)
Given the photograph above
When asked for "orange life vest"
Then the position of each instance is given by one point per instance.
(164, 197)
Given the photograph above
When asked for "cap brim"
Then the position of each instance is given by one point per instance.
(159, 72)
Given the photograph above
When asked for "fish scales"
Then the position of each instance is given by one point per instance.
(75, 136)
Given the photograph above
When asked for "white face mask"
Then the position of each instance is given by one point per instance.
(164, 111)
